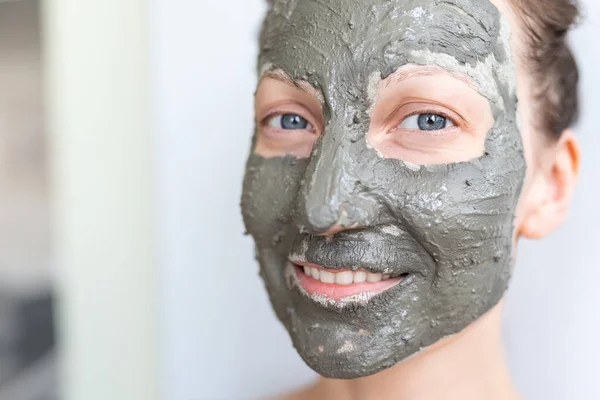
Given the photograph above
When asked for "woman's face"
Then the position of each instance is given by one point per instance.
(387, 184)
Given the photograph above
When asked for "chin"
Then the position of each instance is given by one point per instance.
(349, 338)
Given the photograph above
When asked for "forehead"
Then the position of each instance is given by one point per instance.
(353, 38)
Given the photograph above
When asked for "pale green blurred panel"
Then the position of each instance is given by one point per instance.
(96, 55)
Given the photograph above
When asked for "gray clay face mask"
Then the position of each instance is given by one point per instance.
(447, 230)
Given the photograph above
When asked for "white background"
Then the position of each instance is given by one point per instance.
(219, 337)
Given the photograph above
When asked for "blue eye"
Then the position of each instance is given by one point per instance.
(426, 122)
(289, 122)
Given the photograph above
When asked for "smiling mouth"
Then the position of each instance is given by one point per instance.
(342, 286)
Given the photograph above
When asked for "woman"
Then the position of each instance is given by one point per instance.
(402, 149)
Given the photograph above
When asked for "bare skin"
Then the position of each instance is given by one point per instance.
(471, 364)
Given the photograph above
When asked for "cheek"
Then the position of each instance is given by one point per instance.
(525, 205)
(530, 137)
(270, 189)
(532, 147)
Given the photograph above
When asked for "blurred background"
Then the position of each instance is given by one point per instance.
(26, 313)
(124, 129)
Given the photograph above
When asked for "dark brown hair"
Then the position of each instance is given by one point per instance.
(549, 58)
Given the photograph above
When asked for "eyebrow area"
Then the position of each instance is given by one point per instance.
(411, 71)
(401, 74)
(281, 76)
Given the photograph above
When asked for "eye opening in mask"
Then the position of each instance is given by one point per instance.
(463, 117)
(289, 116)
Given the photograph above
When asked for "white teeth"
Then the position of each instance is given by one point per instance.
(344, 277)
(326, 277)
(314, 273)
(360, 277)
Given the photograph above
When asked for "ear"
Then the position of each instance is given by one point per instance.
(553, 188)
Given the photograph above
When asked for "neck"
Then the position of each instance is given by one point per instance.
(467, 366)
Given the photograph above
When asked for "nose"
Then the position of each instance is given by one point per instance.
(332, 198)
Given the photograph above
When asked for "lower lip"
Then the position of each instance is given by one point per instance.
(337, 292)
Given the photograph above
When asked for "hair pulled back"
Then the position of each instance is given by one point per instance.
(551, 61)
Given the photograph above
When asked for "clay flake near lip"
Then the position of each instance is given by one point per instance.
(449, 226)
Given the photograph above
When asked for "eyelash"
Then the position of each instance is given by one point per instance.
(439, 132)
(264, 123)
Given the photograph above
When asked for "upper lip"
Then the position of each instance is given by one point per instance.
(367, 249)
